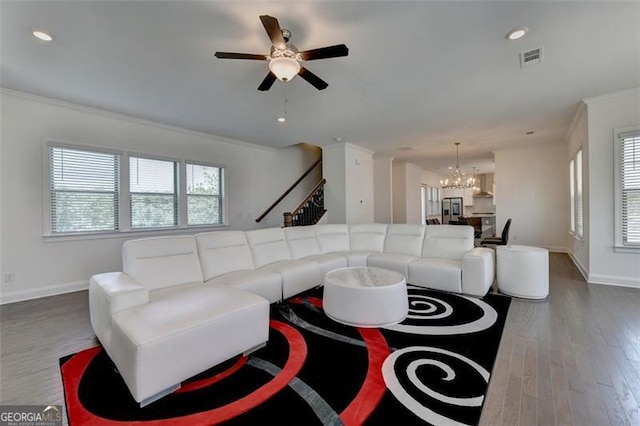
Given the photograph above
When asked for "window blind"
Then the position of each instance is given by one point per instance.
(204, 195)
(153, 193)
(630, 188)
(84, 190)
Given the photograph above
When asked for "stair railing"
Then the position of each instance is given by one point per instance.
(291, 188)
(310, 210)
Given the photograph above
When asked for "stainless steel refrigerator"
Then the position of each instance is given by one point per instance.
(451, 209)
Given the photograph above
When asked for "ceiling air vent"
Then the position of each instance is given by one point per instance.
(531, 57)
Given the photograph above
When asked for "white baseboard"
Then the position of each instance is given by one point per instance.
(613, 280)
(583, 271)
(35, 293)
(557, 249)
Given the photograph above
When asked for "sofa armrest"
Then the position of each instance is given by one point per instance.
(478, 271)
(109, 293)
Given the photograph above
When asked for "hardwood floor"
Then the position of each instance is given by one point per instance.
(573, 359)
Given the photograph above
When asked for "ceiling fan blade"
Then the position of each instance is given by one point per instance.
(267, 82)
(312, 79)
(273, 29)
(325, 52)
(230, 55)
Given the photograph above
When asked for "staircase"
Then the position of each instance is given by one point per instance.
(310, 210)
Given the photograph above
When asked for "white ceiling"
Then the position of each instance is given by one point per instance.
(418, 74)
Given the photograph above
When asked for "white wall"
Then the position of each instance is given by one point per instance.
(413, 196)
(382, 189)
(431, 179)
(577, 139)
(359, 188)
(255, 177)
(603, 115)
(532, 183)
(348, 169)
(407, 181)
(334, 170)
(398, 172)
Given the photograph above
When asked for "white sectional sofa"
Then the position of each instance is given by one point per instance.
(183, 304)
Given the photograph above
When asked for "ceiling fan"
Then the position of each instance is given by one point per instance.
(284, 59)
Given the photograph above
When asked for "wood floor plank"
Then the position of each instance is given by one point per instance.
(528, 411)
(530, 369)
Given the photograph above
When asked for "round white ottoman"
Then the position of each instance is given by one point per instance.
(523, 271)
(365, 297)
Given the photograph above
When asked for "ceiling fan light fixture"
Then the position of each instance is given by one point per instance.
(284, 68)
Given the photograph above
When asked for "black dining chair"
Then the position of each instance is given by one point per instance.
(498, 241)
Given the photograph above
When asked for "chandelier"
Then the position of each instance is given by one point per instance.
(458, 179)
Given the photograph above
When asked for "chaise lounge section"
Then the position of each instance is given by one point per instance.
(212, 290)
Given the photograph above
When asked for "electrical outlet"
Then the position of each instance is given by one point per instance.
(9, 277)
(515, 238)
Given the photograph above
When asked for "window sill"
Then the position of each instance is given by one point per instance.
(626, 249)
(155, 232)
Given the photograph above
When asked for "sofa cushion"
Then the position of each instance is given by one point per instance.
(168, 292)
(160, 262)
(332, 238)
(223, 252)
(405, 239)
(297, 275)
(329, 262)
(302, 241)
(438, 274)
(356, 258)
(262, 283)
(267, 246)
(447, 241)
(367, 237)
(394, 261)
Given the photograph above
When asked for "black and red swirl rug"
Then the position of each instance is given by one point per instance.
(434, 368)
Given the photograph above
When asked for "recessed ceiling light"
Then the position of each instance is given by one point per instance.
(517, 33)
(42, 35)
(337, 139)
(450, 167)
(282, 119)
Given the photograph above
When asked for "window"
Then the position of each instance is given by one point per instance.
(153, 193)
(579, 210)
(627, 172)
(204, 195)
(434, 201)
(94, 191)
(576, 221)
(572, 192)
(84, 190)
